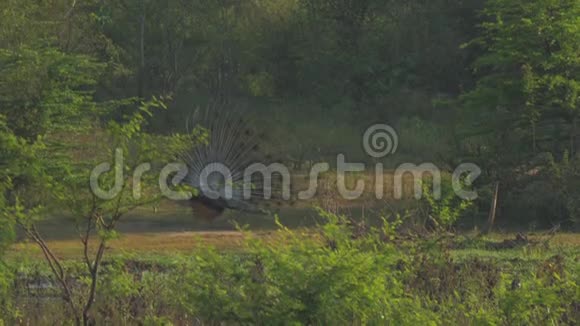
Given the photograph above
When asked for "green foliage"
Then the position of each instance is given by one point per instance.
(59, 155)
(77, 84)
(119, 286)
(546, 195)
(446, 210)
(564, 179)
(302, 281)
(329, 275)
(535, 302)
(7, 308)
(525, 101)
(424, 141)
(528, 75)
(45, 89)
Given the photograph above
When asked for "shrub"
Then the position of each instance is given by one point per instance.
(445, 211)
(326, 279)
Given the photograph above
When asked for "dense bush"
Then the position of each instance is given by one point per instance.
(303, 280)
(547, 195)
(336, 274)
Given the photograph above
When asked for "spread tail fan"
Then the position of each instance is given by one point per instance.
(217, 169)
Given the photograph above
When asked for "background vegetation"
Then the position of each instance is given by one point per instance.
(490, 82)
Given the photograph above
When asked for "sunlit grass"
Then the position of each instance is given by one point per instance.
(167, 243)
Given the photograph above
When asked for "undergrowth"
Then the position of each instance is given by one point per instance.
(340, 274)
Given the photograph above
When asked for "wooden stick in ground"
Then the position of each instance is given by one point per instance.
(493, 209)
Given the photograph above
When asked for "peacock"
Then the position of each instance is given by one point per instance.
(234, 143)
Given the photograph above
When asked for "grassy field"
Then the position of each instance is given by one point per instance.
(171, 228)
(168, 226)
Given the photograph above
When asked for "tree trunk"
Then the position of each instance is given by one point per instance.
(141, 75)
(534, 138)
(573, 138)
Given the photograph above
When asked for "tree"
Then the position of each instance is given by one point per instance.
(53, 131)
(525, 101)
(528, 73)
(62, 187)
(16, 160)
